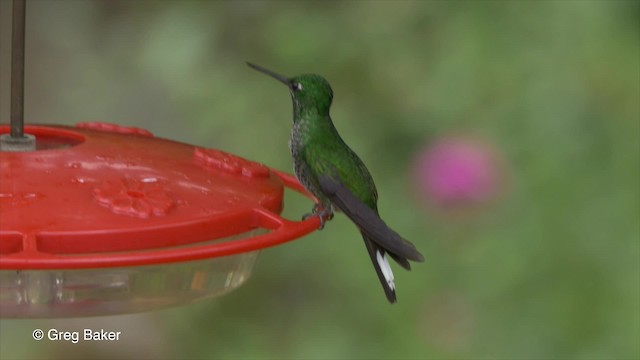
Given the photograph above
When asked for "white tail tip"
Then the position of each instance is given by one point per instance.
(386, 269)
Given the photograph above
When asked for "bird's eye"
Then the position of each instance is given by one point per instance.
(296, 86)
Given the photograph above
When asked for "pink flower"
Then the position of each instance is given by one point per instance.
(458, 171)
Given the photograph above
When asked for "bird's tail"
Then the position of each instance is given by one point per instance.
(381, 264)
(379, 238)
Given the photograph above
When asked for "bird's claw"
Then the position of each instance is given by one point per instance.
(323, 213)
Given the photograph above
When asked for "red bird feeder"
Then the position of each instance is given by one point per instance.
(104, 219)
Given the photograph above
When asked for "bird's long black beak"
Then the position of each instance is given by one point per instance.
(282, 79)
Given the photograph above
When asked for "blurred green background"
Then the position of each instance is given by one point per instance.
(550, 269)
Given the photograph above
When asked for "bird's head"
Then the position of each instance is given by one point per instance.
(309, 92)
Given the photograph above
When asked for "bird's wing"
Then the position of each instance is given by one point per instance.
(372, 227)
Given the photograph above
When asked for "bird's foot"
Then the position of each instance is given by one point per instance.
(324, 213)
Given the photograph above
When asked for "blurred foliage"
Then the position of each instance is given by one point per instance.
(550, 271)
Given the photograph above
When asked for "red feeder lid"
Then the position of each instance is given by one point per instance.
(103, 195)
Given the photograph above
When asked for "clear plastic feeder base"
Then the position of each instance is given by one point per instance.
(75, 293)
(110, 291)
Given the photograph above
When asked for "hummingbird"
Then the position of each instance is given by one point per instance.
(327, 167)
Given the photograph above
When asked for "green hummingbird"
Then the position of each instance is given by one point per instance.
(335, 175)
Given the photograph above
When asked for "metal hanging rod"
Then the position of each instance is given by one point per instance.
(17, 69)
(17, 140)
